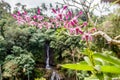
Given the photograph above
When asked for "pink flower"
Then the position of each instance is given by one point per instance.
(78, 31)
(18, 13)
(14, 16)
(60, 16)
(21, 22)
(53, 10)
(67, 17)
(93, 29)
(47, 25)
(25, 13)
(35, 17)
(40, 26)
(38, 11)
(85, 24)
(65, 7)
(87, 37)
(59, 13)
(72, 30)
(66, 25)
(27, 18)
(39, 17)
(58, 24)
(73, 21)
(59, 10)
(32, 23)
(70, 14)
(80, 13)
(19, 18)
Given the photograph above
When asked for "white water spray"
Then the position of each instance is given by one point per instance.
(54, 75)
(48, 58)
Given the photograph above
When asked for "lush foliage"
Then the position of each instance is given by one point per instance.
(25, 34)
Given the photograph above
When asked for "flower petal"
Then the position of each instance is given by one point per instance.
(65, 7)
(53, 10)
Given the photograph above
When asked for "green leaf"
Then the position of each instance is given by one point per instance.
(110, 69)
(84, 67)
(88, 60)
(108, 58)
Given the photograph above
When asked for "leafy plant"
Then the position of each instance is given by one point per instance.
(17, 65)
(98, 64)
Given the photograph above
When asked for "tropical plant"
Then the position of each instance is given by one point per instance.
(13, 66)
(65, 34)
(101, 65)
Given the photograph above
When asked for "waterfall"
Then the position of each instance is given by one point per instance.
(55, 76)
(48, 58)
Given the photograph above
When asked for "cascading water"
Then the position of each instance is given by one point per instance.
(48, 58)
(54, 75)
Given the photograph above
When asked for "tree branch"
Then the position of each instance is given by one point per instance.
(117, 37)
(108, 38)
(104, 35)
(68, 5)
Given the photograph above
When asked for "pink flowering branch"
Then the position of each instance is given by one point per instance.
(63, 17)
(99, 33)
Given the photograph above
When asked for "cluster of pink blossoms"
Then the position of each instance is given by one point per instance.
(63, 17)
(71, 23)
(35, 20)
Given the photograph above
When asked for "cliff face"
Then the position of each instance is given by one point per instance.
(116, 1)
